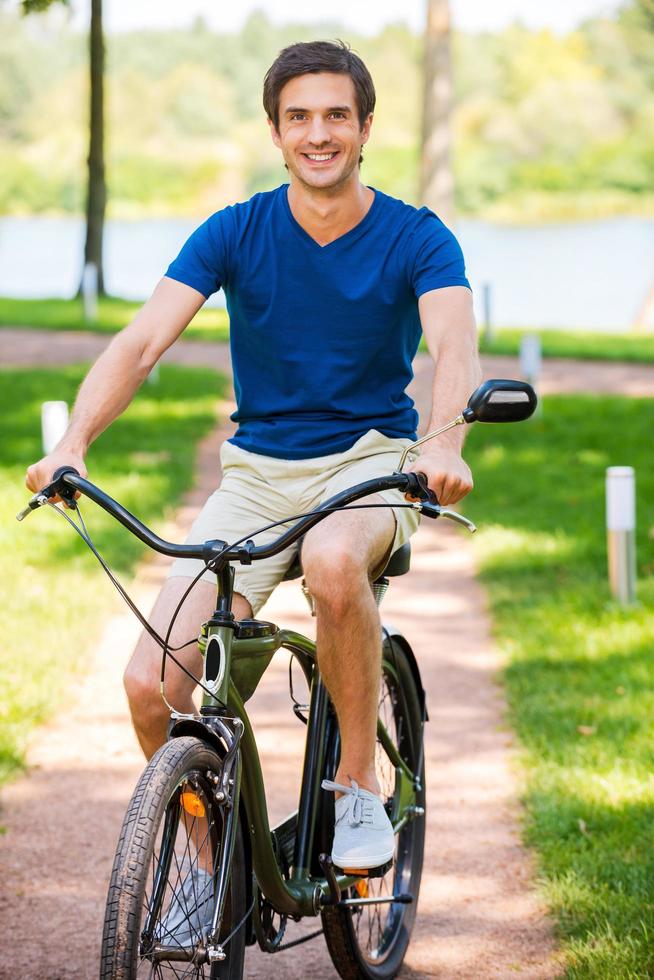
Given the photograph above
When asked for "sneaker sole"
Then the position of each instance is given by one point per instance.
(378, 871)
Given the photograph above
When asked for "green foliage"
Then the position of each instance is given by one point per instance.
(55, 598)
(579, 670)
(561, 116)
(544, 125)
(39, 6)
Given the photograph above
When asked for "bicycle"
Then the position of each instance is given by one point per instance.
(198, 872)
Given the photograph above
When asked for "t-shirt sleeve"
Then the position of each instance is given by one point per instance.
(437, 256)
(202, 261)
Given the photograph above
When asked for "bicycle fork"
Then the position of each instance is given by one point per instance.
(226, 793)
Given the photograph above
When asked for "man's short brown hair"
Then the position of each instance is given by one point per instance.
(309, 58)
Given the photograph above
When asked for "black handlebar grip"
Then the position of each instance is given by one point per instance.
(58, 473)
(58, 488)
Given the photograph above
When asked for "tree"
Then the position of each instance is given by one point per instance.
(96, 194)
(436, 181)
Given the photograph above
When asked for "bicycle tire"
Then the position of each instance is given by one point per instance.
(157, 824)
(354, 950)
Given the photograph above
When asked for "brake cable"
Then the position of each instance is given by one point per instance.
(168, 650)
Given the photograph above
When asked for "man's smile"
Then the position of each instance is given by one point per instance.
(321, 158)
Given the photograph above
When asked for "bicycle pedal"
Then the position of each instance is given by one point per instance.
(368, 872)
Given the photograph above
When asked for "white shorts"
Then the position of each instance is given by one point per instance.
(257, 490)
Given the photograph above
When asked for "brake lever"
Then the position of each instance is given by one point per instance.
(454, 515)
(56, 487)
(38, 500)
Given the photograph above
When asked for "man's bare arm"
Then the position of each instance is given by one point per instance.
(448, 324)
(118, 373)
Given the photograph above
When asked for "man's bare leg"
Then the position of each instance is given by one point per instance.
(150, 715)
(338, 557)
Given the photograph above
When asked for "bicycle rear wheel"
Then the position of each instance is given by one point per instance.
(370, 942)
(161, 893)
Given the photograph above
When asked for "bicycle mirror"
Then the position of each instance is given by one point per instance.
(501, 400)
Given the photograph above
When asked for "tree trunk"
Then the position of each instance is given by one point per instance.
(436, 181)
(96, 197)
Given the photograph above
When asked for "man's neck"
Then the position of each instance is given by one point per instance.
(326, 215)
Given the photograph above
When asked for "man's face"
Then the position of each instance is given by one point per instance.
(319, 132)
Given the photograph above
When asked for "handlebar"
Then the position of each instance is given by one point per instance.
(67, 481)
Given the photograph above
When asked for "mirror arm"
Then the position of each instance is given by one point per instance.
(459, 420)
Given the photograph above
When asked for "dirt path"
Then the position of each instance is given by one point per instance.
(479, 916)
(34, 348)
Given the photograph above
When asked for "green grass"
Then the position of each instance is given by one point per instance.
(55, 596)
(630, 346)
(113, 314)
(579, 669)
(213, 324)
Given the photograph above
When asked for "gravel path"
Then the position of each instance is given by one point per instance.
(479, 914)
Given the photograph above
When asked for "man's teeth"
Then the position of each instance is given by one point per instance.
(320, 156)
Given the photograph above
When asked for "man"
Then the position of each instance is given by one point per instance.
(328, 283)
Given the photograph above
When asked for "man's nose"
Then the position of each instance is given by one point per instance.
(319, 131)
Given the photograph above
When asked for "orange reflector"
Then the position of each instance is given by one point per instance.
(356, 871)
(193, 804)
(361, 888)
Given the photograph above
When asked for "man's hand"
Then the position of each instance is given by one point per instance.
(40, 474)
(448, 475)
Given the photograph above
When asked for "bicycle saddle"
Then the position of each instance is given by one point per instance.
(398, 564)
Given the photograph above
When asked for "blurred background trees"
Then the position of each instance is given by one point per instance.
(543, 125)
(96, 185)
(436, 180)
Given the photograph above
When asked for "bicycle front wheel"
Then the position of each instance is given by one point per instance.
(161, 894)
(369, 942)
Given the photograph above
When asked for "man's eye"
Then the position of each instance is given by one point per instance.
(297, 115)
(338, 115)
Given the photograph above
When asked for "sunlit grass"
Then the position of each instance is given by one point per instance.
(55, 597)
(630, 346)
(579, 669)
(210, 323)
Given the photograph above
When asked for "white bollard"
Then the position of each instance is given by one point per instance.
(90, 291)
(530, 357)
(530, 362)
(54, 422)
(488, 319)
(621, 532)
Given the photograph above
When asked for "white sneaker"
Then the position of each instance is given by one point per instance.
(363, 834)
(190, 913)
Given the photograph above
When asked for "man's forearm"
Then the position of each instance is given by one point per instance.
(106, 391)
(457, 374)
(448, 324)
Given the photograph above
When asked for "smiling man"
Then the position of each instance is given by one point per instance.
(329, 284)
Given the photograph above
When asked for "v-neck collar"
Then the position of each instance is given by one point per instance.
(348, 236)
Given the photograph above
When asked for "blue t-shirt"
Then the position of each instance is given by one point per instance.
(322, 337)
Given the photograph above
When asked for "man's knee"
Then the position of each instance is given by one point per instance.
(334, 573)
(141, 679)
(142, 676)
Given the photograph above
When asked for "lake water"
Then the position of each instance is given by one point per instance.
(595, 275)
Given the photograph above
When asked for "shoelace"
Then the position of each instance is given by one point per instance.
(360, 808)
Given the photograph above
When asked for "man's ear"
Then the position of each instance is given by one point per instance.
(365, 129)
(274, 134)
